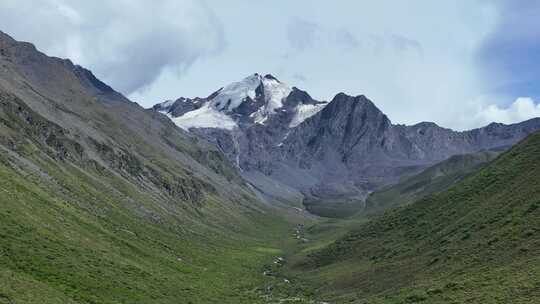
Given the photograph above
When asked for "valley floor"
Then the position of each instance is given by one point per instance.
(73, 241)
(476, 242)
(86, 247)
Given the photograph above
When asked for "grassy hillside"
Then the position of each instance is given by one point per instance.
(87, 246)
(434, 179)
(342, 207)
(102, 201)
(477, 242)
(72, 231)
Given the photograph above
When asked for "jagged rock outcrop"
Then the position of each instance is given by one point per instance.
(292, 147)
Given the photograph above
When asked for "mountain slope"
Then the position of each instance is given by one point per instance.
(476, 243)
(434, 179)
(295, 149)
(103, 201)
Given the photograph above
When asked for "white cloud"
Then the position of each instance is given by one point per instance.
(419, 66)
(414, 67)
(522, 109)
(126, 43)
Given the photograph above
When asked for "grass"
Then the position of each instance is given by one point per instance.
(273, 251)
(474, 243)
(87, 246)
(334, 207)
(434, 179)
(119, 220)
(85, 221)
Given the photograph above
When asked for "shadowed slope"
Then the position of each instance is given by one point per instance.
(434, 179)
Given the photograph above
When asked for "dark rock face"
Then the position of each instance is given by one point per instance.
(64, 112)
(180, 107)
(352, 145)
(344, 151)
(87, 76)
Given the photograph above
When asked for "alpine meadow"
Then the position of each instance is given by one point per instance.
(195, 152)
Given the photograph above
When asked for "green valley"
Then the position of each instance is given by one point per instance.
(476, 242)
(256, 194)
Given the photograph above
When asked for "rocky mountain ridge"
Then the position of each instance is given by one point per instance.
(342, 149)
(57, 107)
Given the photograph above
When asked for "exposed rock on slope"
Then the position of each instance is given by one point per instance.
(292, 147)
(101, 199)
(54, 100)
(434, 179)
(473, 243)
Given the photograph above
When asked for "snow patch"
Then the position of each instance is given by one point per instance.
(274, 94)
(259, 117)
(215, 113)
(231, 96)
(166, 104)
(204, 117)
(305, 111)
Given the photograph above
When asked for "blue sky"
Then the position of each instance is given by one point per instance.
(461, 64)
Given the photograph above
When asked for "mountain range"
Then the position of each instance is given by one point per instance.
(198, 200)
(295, 149)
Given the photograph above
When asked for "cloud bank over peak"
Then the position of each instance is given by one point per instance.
(523, 108)
(458, 63)
(126, 43)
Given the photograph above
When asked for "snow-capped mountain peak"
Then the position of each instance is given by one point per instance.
(275, 92)
(232, 95)
(253, 100)
(248, 89)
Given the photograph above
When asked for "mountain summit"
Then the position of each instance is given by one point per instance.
(254, 100)
(293, 148)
